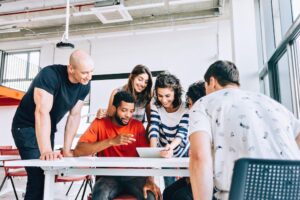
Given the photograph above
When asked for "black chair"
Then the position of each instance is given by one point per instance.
(260, 179)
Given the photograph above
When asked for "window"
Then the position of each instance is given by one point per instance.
(20, 68)
(267, 28)
(276, 21)
(264, 85)
(280, 74)
(284, 82)
(298, 48)
(296, 8)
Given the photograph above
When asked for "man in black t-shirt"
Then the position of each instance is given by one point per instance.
(56, 90)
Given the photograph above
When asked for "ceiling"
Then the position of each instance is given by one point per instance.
(32, 19)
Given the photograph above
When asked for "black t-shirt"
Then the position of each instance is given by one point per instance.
(53, 79)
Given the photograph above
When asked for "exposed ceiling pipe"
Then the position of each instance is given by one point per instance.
(25, 5)
(59, 16)
(45, 9)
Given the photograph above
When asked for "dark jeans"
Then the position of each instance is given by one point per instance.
(180, 190)
(25, 140)
(169, 180)
(109, 187)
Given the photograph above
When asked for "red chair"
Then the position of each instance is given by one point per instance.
(121, 197)
(5, 147)
(11, 172)
(86, 180)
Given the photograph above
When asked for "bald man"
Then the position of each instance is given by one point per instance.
(56, 90)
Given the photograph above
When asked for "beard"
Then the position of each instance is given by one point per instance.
(119, 120)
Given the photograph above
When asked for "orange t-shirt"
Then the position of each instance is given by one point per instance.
(102, 129)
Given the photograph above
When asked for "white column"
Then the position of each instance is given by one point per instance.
(244, 43)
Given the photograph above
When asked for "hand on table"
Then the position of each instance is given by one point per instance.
(69, 153)
(167, 152)
(51, 155)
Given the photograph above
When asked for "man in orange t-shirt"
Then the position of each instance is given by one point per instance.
(118, 136)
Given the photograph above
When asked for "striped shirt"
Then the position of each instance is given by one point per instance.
(168, 126)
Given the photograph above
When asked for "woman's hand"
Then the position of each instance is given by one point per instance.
(167, 152)
(101, 113)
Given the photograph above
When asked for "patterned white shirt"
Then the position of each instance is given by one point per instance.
(243, 124)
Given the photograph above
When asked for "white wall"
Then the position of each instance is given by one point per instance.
(244, 42)
(6, 116)
(185, 51)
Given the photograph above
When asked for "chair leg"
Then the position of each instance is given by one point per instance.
(83, 182)
(2, 184)
(83, 193)
(12, 183)
(69, 188)
(91, 184)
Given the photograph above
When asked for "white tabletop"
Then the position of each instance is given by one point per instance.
(104, 162)
(108, 166)
(12, 157)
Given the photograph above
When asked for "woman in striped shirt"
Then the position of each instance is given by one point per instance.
(181, 189)
(169, 119)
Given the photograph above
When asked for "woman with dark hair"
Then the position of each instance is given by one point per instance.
(139, 86)
(169, 119)
(181, 189)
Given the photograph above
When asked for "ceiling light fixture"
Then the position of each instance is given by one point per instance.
(64, 44)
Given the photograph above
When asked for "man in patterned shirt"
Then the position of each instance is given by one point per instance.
(229, 124)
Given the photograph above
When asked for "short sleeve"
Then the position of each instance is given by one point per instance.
(85, 91)
(295, 125)
(199, 120)
(91, 134)
(47, 80)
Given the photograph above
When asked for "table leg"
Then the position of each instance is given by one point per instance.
(49, 185)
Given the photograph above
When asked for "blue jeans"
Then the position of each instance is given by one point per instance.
(25, 140)
(109, 187)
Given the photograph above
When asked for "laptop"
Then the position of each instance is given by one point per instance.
(149, 152)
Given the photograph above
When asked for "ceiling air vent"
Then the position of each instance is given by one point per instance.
(102, 3)
(112, 14)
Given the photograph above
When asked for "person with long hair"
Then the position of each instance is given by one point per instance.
(169, 119)
(139, 86)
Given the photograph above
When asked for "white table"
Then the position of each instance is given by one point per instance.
(110, 166)
(7, 157)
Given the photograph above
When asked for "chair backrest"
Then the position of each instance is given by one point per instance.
(3, 148)
(9, 152)
(6, 147)
(265, 179)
